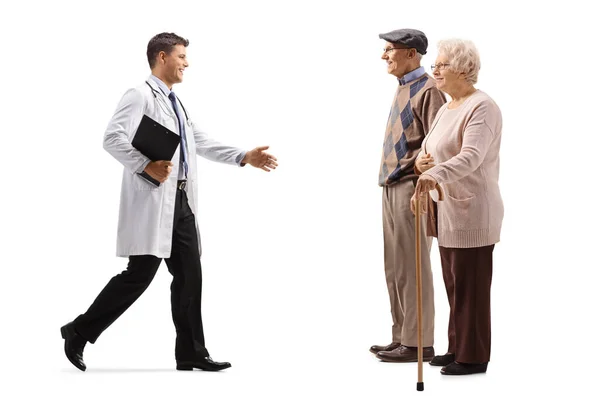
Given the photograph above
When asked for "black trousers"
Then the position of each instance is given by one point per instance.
(186, 289)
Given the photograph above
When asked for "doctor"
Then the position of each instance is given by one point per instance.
(158, 222)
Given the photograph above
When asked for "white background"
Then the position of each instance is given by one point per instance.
(294, 289)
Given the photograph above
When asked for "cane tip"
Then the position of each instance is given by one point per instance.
(420, 387)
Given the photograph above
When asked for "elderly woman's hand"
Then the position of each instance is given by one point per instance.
(424, 185)
(424, 163)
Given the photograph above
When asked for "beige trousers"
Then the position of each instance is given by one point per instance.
(400, 266)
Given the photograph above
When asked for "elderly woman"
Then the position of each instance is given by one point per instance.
(461, 154)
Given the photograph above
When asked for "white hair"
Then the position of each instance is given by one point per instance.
(463, 57)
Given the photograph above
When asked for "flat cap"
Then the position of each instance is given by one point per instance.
(411, 38)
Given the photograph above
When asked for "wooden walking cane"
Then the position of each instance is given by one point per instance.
(420, 386)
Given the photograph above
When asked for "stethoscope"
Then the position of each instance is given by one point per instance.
(154, 91)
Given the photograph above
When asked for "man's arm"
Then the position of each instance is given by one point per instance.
(425, 111)
(216, 151)
(121, 127)
(432, 100)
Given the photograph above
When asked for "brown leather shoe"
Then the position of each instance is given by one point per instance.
(376, 349)
(406, 354)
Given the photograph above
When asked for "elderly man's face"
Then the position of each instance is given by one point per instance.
(397, 58)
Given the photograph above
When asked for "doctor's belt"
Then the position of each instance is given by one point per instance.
(181, 184)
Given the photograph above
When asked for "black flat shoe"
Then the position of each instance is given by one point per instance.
(74, 345)
(457, 368)
(442, 361)
(206, 364)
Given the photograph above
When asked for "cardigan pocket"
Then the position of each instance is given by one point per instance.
(458, 193)
(461, 214)
(471, 197)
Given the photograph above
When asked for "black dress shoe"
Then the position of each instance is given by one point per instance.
(442, 361)
(457, 368)
(74, 345)
(392, 346)
(207, 364)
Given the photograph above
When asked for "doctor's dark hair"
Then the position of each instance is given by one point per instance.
(163, 42)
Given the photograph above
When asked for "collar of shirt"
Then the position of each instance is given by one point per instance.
(412, 75)
(163, 86)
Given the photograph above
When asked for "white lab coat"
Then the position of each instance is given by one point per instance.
(146, 212)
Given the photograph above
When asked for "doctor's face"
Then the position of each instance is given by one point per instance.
(174, 64)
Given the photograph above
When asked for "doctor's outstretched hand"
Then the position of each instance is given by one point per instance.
(258, 158)
(159, 170)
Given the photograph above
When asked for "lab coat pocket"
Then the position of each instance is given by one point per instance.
(143, 183)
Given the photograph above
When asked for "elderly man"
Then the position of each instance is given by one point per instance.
(415, 105)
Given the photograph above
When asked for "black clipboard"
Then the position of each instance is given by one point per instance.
(156, 142)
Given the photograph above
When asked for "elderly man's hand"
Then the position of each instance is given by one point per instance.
(259, 159)
(425, 163)
(424, 185)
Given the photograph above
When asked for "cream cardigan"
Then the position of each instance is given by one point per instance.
(467, 163)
